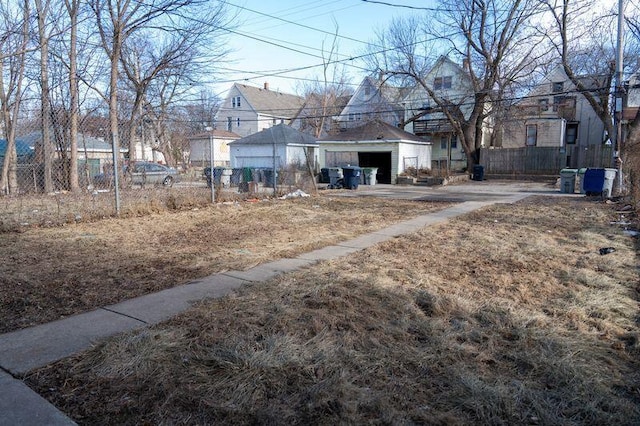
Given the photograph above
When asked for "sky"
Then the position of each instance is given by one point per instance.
(274, 38)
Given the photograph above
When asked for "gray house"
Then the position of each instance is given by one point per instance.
(279, 145)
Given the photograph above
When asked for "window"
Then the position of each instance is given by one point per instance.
(367, 90)
(233, 102)
(571, 135)
(443, 143)
(351, 117)
(557, 100)
(557, 87)
(238, 120)
(454, 142)
(229, 123)
(543, 104)
(532, 134)
(358, 116)
(440, 83)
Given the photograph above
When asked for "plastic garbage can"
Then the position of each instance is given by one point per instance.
(568, 180)
(351, 176)
(335, 175)
(324, 175)
(609, 178)
(478, 172)
(580, 183)
(369, 174)
(594, 181)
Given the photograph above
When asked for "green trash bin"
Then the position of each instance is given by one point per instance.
(581, 173)
(568, 180)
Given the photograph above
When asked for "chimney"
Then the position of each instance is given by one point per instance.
(465, 64)
(266, 85)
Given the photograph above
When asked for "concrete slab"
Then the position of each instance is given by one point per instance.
(24, 350)
(19, 405)
(270, 270)
(328, 253)
(157, 307)
(365, 241)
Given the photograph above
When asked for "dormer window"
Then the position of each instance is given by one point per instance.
(440, 83)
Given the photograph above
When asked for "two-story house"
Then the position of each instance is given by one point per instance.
(555, 114)
(424, 116)
(248, 109)
(373, 100)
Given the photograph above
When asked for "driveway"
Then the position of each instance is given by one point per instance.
(488, 190)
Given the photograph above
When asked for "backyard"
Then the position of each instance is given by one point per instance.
(508, 315)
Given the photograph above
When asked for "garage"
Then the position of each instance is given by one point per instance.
(376, 144)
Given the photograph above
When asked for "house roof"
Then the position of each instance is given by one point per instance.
(22, 148)
(216, 133)
(375, 130)
(89, 143)
(272, 102)
(280, 134)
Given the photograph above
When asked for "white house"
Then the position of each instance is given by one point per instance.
(200, 148)
(376, 144)
(424, 116)
(279, 145)
(373, 100)
(248, 109)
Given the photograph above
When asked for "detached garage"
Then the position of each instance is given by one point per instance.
(290, 147)
(376, 144)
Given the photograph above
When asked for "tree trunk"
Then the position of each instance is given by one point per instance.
(72, 8)
(47, 146)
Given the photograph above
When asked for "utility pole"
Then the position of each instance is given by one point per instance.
(211, 152)
(619, 94)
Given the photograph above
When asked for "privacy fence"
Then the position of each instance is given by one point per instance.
(543, 160)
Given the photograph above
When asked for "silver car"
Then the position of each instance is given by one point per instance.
(142, 173)
(153, 173)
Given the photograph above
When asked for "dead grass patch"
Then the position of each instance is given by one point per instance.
(492, 318)
(48, 273)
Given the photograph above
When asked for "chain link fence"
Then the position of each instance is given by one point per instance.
(152, 177)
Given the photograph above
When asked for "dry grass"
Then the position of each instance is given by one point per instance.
(505, 316)
(48, 273)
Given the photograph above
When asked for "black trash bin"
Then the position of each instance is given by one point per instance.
(269, 177)
(478, 172)
(351, 176)
(324, 175)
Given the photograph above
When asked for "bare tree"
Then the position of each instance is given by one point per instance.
(492, 38)
(14, 37)
(326, 95)
(584, 44)
(151, 55)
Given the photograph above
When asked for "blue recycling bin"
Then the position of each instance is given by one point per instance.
(593, 181)
(351, 176)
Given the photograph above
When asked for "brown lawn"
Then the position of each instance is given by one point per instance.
(505, 316)
(49, 273)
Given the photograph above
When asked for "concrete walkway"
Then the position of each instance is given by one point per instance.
(24, 350)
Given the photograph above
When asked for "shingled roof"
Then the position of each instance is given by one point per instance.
(266, 101)
(280, 134)
(375, 130)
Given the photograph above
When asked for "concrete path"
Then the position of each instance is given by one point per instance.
(24, 350)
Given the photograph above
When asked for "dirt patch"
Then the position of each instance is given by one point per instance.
(49, 273)
(505, 316)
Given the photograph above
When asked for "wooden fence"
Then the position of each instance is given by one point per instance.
(543, 161)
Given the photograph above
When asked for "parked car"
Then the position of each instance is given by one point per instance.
(143, 173)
